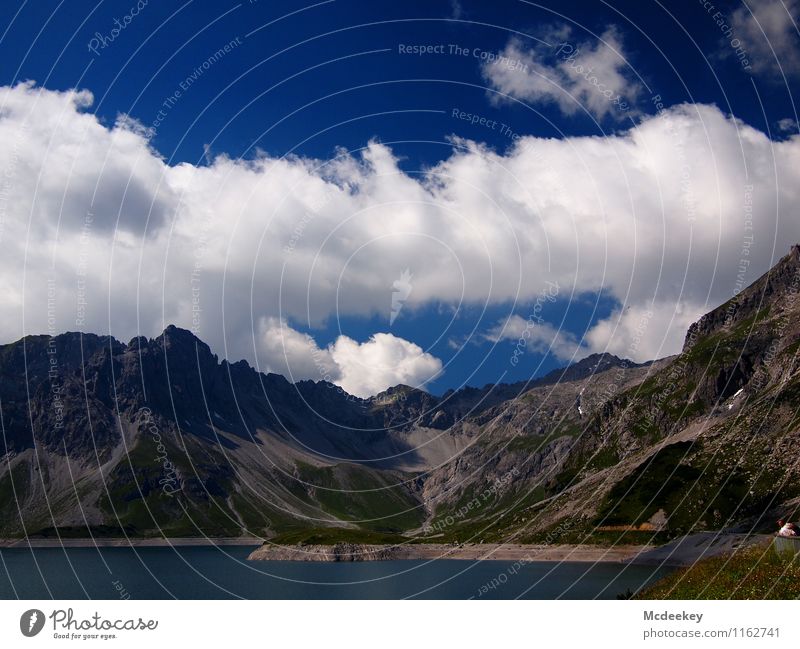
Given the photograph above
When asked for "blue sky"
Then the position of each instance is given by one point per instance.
(677, 55)
(304, 82)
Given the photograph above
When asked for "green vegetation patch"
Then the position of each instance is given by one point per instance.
(693, 498)
(351, 492)
(658, 483)
(83, 531)
(14, 488)
(755, 572)
(136, 498)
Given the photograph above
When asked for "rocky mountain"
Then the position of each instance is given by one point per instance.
(160, 437)
(708, 441)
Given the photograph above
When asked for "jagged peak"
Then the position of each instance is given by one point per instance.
(400, 388)
(398, 391)
(599, 357)
(138, 342)
(174, 331)
(173, 335)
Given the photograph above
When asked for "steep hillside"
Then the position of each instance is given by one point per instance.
(710, 440)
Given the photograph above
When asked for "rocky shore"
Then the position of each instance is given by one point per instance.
(420, 551)
(680, 552)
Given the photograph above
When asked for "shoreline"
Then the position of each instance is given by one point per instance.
(262, 551)
(125, 543)
(351, 552)
(357, 552)
(680, 552)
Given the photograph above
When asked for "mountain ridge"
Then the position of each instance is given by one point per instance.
(160, 438)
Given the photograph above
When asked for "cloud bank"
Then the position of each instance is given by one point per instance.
(100, 234)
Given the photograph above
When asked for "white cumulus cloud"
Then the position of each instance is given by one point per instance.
(591, 75)
(361, 369)
(384, 360)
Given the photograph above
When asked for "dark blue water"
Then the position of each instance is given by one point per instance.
(222, 573)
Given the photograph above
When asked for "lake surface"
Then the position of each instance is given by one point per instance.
(224, 573)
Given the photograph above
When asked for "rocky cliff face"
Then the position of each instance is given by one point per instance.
(159, 437)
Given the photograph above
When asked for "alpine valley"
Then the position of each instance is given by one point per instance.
(159, 438)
